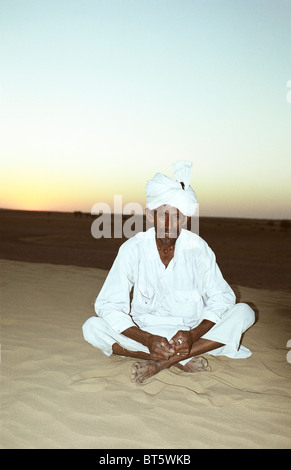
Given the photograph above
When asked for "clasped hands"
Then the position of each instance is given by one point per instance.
(180, 345)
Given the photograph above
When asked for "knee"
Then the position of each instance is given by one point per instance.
(247, 314)
(97, 333)
(90, 328)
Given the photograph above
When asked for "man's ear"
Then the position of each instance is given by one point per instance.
(149, 215)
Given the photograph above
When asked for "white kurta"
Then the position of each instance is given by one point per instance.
(166, 300)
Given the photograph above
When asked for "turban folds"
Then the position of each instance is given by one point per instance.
(165, 190)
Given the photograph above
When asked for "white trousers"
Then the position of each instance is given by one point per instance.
(228, 332)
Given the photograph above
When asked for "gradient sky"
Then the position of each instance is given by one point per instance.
(98, 95)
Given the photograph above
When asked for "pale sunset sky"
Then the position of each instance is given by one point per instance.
(97, 96)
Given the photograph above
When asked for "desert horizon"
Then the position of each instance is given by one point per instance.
(250, 252)
(85, 213)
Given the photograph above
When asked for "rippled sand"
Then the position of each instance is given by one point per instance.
(57, 391)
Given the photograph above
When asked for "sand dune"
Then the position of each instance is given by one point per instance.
(59, 392)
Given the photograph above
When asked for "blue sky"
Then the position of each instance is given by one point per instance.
(97, 96)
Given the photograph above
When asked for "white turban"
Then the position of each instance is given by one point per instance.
(164, 190)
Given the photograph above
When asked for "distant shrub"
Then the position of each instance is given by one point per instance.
(78, 214)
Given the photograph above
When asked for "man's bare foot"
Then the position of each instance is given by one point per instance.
(141, 371)
(197, 364)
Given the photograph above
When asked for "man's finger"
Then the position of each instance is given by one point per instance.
(162, 356)
(167, 348)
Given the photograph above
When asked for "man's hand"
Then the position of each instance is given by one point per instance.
(182, 342)
(160, 348)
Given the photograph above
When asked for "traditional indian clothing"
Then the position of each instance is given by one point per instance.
(175, 192)
(165, 300)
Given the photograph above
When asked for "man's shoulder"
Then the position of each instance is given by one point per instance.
(191, 240)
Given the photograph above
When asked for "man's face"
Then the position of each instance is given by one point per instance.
(168, 222)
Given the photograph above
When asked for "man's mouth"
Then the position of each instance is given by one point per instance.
(166, 234)
(169, 235)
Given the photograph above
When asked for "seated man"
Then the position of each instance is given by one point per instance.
(181, 307)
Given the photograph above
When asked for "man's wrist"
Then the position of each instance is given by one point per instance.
(201, 329)
(194, 335)
(138, 335)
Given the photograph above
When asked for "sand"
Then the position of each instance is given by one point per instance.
(57, 391)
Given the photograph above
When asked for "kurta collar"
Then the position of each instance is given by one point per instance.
(153, 250)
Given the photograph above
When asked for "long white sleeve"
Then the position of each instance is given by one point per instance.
(217, 294)
(113, 301)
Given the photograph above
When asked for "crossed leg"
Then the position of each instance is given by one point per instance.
(141, 371)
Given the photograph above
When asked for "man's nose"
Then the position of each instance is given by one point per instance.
(168, 222)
